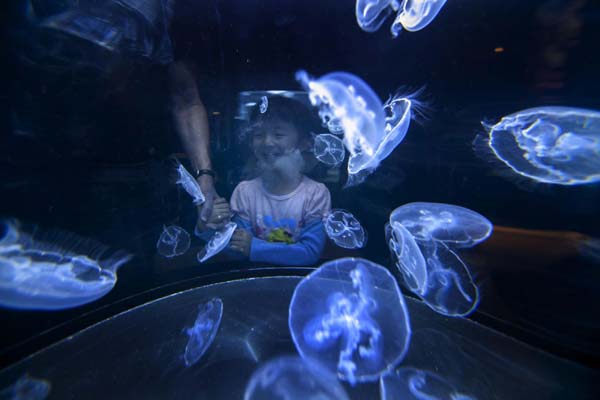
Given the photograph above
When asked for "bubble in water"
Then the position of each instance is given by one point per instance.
(345, 230)
(329, 149)
(203, 332)
(173, 241)
(350, 315)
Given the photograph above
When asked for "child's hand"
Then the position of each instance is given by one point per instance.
(241, 242)
(219, 216)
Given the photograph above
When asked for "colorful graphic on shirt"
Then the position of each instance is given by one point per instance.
(283, 230)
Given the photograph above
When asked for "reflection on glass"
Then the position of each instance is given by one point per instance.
(350, 315)
(218, 242)
(416, 384)
(203, 332)
(173, 241)
(558, 145)
(51, 271)
(291, 377)
(345, 230)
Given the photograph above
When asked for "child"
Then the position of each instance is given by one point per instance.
(280, 213)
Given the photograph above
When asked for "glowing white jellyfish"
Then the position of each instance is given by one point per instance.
(190, 185)
(203, 332)
(408, 257)
(173, 241)
(371, 130)
(264, 104)
(329, 149)
(53, 272)
(27, 388)
(350, 316)
(345, 230)
(291, 377)
(218, 242)
(415, 384)
(412, 15)
(558, 145)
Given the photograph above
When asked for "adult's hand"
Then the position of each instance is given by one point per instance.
(220, 215)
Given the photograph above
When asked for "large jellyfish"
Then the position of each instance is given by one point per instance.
(350, 315)
(408, 257)
(203, 332)
(218, 242)
(173, 241)
(415, 384)
(559, 145)
(329, 149)
(412, 15)
(371, 130)
(53, 271)
(190, 185)
(26, 388)
(291, 377)
(345, 230)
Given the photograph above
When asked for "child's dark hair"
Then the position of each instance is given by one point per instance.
(285, 109)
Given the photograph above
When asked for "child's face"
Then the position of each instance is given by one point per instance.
(274, 139)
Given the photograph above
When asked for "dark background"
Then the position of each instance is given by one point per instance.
(91, 152)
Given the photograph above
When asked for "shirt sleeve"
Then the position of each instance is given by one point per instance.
(319, 205)
(306, 251)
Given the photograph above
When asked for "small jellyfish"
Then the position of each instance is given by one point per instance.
(350, 315)
(27, 388)
(190, 185)
(371, 14)
(415, 384)
(218, 242)
(264, 104)
(454, 225)
(291, 377)
(203, 332)
(408, 257)
(556, 145)
(329, 149)
(53, 270)
(345, 230)
(174, 241)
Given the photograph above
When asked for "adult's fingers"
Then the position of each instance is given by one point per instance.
(207, 207)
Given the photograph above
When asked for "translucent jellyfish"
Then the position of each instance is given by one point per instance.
(218, 242)
(371, 129)
(454, 225)
(53, 270)
(412, 15)
(190, 185)
(264, 104)
(329, 149)
(409, 259)
(558, 145)
(345, 230)
(349, 315)
(174, 241)
(26, 388)
(416, 384)
(291, 377)
(203, 332)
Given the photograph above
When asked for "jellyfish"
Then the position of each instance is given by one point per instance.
(264, 104)
(329, 149)
(218, 242)
(556, 145)
(409, 258)
(27, 388)
(203, 332)
(350, 315)
(415, 384)
(174, 241)
(190, 185)
(53, 270)
(291, 377)
(412, 15)
(345, 230)
(454, 225)
(371, 130)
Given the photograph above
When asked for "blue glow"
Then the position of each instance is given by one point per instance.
(416, 384)
(329, 149)
(412, 15)
(44, 273)
(264, 104)
(291, 377)
(350, 315)
(345, 230)
(203, 332)
(218, 242)
(558, 145)
(27, 388)
(371, 130)
(190, 185)
(454, 225)
(173, 241)
(409, 259)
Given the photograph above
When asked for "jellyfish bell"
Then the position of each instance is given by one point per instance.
(416, 15)
(371, 14)
(329, 149)
(408, 257)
